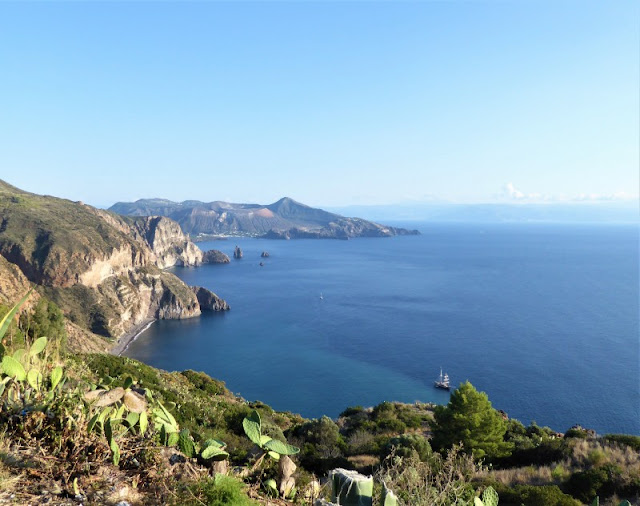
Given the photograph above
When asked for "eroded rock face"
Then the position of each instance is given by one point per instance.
(103, 270)
(167, 241)
(214, 256)
(237, 253)
(209, 301)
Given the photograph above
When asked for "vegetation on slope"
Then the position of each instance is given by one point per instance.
(72, 427)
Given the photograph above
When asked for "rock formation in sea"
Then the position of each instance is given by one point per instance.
(237, 253)
(208, 300)
(265, 254)
(214, 256)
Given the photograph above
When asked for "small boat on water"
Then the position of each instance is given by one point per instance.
(442, 381)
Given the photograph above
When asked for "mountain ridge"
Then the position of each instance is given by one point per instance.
(284, 219)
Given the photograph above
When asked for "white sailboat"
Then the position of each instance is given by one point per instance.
(442, 381)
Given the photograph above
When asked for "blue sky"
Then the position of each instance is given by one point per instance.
(331, 103)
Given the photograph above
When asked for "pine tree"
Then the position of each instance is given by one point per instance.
(470, 419)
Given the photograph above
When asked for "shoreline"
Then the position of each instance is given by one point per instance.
(123, 343)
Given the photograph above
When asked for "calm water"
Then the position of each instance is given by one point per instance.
(544, 318)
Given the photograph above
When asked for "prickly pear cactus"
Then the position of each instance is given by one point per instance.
(185, 444)
(388, 497)
(350, 488)
(490, 497)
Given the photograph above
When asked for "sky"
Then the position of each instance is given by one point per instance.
(329, 102)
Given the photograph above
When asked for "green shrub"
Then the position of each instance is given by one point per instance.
(624, 439)
(407, 445)
(322, 445)
(220, 491)
(205, 383)
(529, 495)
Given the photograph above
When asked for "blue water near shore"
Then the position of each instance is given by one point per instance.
(544, 318)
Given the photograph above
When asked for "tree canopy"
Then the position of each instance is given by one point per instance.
(470, 419)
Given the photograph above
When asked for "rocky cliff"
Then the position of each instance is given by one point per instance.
(103, 270)
(285, 217)
(209, 301)
(167, 241)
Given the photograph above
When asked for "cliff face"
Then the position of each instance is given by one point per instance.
(283, 218)
(167, 241)
(103, 270)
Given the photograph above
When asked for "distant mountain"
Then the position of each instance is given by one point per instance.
(284, 219)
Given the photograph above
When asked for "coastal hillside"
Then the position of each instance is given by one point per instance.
(103, 270)
(284, 219)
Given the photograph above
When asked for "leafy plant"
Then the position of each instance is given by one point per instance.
(111, 420)
(252, 426)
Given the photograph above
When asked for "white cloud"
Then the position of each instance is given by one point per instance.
(510, 192)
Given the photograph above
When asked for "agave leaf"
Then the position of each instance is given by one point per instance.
(13, 368)
(56, 376)
(92, 422)
(134, 401)
(143, 422)
(253, 427)
(34, 378)
(108, 431)
(38, 346)
(104, 414)
(6, 319)
(213, 452)
(281, 448)
(167, 415)
(116, 452)
(119, 413)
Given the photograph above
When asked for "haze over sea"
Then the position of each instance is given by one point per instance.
(542, 317)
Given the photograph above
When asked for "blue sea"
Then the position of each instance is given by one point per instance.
(543, 318)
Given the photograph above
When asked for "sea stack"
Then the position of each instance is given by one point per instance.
(237, 253)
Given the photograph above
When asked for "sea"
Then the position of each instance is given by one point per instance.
(544, 318)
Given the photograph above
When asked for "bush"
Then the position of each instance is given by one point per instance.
(624, 439)
(322, 445)
(601, 481)
(408, 445)
(529, 495)
(220, 491)
(205, 383)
